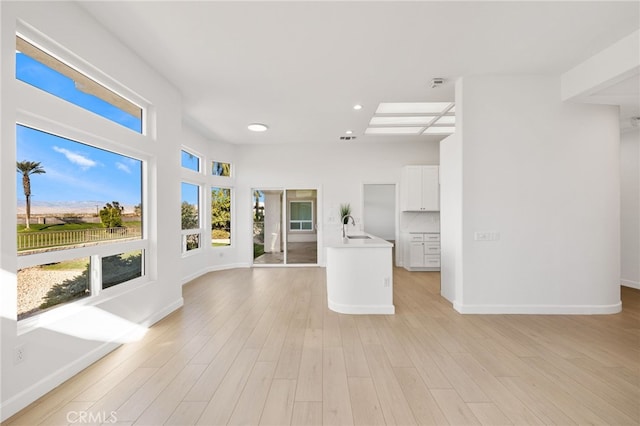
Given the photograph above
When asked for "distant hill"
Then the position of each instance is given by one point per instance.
(62, 207)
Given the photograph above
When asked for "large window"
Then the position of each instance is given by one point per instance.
(301, 215)
(79, 223)
(42, 70)
(70, 196)
(220, 217)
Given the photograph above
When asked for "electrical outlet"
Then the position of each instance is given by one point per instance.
(387, 282)
(19, 354)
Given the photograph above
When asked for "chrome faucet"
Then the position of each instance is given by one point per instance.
(345, 223)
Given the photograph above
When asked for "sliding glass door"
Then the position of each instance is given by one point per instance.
(285, 226)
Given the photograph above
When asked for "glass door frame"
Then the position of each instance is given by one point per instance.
(284, 224)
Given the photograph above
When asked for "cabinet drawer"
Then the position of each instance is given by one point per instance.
(431, 248)
(431, 237)
(416, 237)
(431, 261)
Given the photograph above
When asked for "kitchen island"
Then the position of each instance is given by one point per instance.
(360, 275)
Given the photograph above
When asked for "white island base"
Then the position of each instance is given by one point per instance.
(360, 276)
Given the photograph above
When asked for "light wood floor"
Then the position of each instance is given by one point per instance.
(259, 346)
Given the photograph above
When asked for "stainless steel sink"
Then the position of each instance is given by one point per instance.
(358, 237)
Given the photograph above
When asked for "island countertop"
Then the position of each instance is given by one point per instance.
(360, 275)
(371, 242)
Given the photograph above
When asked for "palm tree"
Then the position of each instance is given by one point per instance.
(28, 168)
(257, 194)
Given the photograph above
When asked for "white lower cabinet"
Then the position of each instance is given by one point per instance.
(423, 251)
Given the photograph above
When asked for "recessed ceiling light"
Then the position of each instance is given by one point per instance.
(400, 120)
(257, 127)
(393, 130)
(357, 107)
(439, 130)
(349, 132)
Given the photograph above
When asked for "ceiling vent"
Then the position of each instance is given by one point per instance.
(347, 138)
(435, 82)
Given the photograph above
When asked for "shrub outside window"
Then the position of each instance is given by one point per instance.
(220, 217)
(220, 169)
(190, 216)
(41, 287)
(123, 267)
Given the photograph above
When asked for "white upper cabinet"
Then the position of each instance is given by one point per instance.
(420, 189)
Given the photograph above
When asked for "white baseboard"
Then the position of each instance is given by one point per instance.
(629, 283)
(157, 316)
(539, 309)
(362, 309)
(19, 401)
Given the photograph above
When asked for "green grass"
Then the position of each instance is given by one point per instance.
(67, 265)
(258, 250)
(38, 227)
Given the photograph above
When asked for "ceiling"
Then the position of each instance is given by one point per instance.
(299, 67)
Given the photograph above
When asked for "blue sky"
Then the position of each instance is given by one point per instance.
(190, 193)
(36, 74)
(75, 172)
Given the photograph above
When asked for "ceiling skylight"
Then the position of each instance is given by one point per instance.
(412, 118)
(394, 130)
(401, 120)
(446, 119)
(412, 107)
(440, 130)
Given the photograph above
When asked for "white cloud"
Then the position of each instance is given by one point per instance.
(76, 158)
(123, 167)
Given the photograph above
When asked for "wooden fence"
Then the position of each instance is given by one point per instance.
(37, 240)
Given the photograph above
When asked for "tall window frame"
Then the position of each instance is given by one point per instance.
(222, 236)
(192, 223)
(211, 173)
(221, 175)
(43, 111)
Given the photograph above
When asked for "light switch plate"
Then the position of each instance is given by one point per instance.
(486, 236)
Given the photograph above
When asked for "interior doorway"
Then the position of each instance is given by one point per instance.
(379, 214)
(285, 230)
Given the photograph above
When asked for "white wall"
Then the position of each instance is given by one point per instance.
(630, 208)
(451, 221)
(338, 171)
(58, 348)
(544, 175)
(379, 215)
